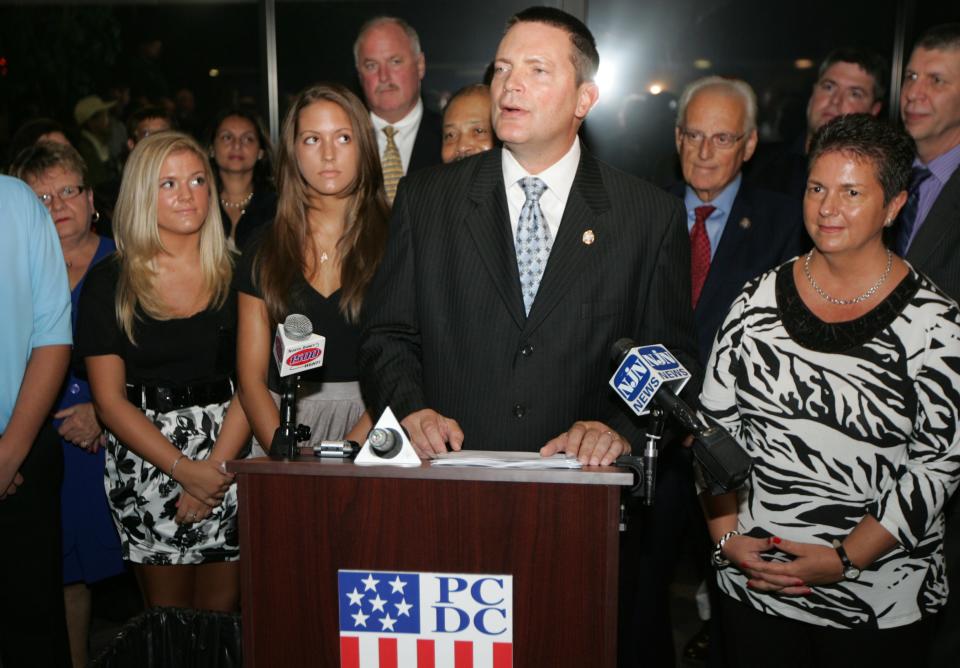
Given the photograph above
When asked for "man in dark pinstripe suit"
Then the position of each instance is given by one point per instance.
(449, 343)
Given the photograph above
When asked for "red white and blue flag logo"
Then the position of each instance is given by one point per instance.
(425, 620)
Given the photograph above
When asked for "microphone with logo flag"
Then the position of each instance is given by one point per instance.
(296, 349)
(651, 373)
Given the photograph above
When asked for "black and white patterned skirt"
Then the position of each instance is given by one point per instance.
(143, 499)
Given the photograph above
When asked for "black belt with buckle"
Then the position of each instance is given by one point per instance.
(165, 398)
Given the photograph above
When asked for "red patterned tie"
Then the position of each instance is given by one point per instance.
(699, 252)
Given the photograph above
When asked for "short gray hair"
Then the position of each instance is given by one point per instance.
(736, 87)
(384, 20)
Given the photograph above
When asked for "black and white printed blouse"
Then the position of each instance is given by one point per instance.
(843, 420)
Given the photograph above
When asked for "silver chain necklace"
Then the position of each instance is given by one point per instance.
(855, 300)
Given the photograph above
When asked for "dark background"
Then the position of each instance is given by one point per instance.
(52, 54)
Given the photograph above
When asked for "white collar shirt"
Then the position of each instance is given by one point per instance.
(405, 136)
(559, 179)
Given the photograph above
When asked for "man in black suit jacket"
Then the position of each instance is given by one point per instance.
(930, 108)
(391, 65)
(447, 337)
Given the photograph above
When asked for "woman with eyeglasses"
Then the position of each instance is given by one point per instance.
(243, 160)
(156, 330)
(91, 549)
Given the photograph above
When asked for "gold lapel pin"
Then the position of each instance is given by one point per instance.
(588, 237)
(745, 223)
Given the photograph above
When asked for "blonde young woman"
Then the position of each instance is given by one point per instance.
(157, 332)
(317, 259)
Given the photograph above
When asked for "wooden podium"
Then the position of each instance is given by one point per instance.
(555, 532)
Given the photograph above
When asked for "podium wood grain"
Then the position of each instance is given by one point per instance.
(555, 532)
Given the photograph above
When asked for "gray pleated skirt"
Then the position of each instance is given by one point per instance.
(329, 409)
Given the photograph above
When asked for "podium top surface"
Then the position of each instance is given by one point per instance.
(308, 465)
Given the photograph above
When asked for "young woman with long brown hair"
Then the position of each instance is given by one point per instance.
(317, 259)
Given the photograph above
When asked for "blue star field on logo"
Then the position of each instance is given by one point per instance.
(379, 602)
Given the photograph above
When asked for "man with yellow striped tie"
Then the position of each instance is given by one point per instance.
(391, 65)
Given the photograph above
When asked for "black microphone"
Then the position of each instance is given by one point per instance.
(385, 442)
(722, 462)
(665, 397)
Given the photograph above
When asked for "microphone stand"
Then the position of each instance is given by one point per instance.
(650, 452)
(288, 433)
(644, 467)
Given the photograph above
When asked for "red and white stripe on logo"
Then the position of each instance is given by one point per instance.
(370, 651)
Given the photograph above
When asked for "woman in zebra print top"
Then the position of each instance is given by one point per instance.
(839, 373)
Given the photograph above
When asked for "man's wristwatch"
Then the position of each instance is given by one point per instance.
(850, 572)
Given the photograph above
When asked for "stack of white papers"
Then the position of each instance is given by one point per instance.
(505, 460)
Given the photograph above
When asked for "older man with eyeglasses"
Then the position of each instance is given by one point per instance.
(736, 232)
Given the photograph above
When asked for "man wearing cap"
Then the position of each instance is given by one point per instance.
(91, 116)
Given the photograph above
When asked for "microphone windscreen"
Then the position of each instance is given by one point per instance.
(620, 347)
(297, 326)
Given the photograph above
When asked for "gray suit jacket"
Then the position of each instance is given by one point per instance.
(443, 321)
(935, 250)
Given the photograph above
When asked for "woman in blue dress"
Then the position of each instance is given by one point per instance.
(91, 548)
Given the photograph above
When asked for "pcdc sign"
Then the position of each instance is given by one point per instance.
(413, 620)
(641, 373)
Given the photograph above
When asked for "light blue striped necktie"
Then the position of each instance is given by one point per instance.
(533, 240)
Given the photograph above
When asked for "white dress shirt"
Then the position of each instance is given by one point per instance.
(559, 179)
(405, 136)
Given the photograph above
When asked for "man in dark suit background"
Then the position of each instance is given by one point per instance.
(928, 231)
(930, 108)
(736, 233)
(391, 65)
(458, 331)
(849, 81)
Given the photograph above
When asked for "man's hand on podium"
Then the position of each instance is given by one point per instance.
(430, 432)
(592, 443)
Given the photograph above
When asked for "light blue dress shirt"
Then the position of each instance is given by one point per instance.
(718, 219)
(34, 292)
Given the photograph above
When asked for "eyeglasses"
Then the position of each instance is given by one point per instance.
(721, 140)
(65, 193)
